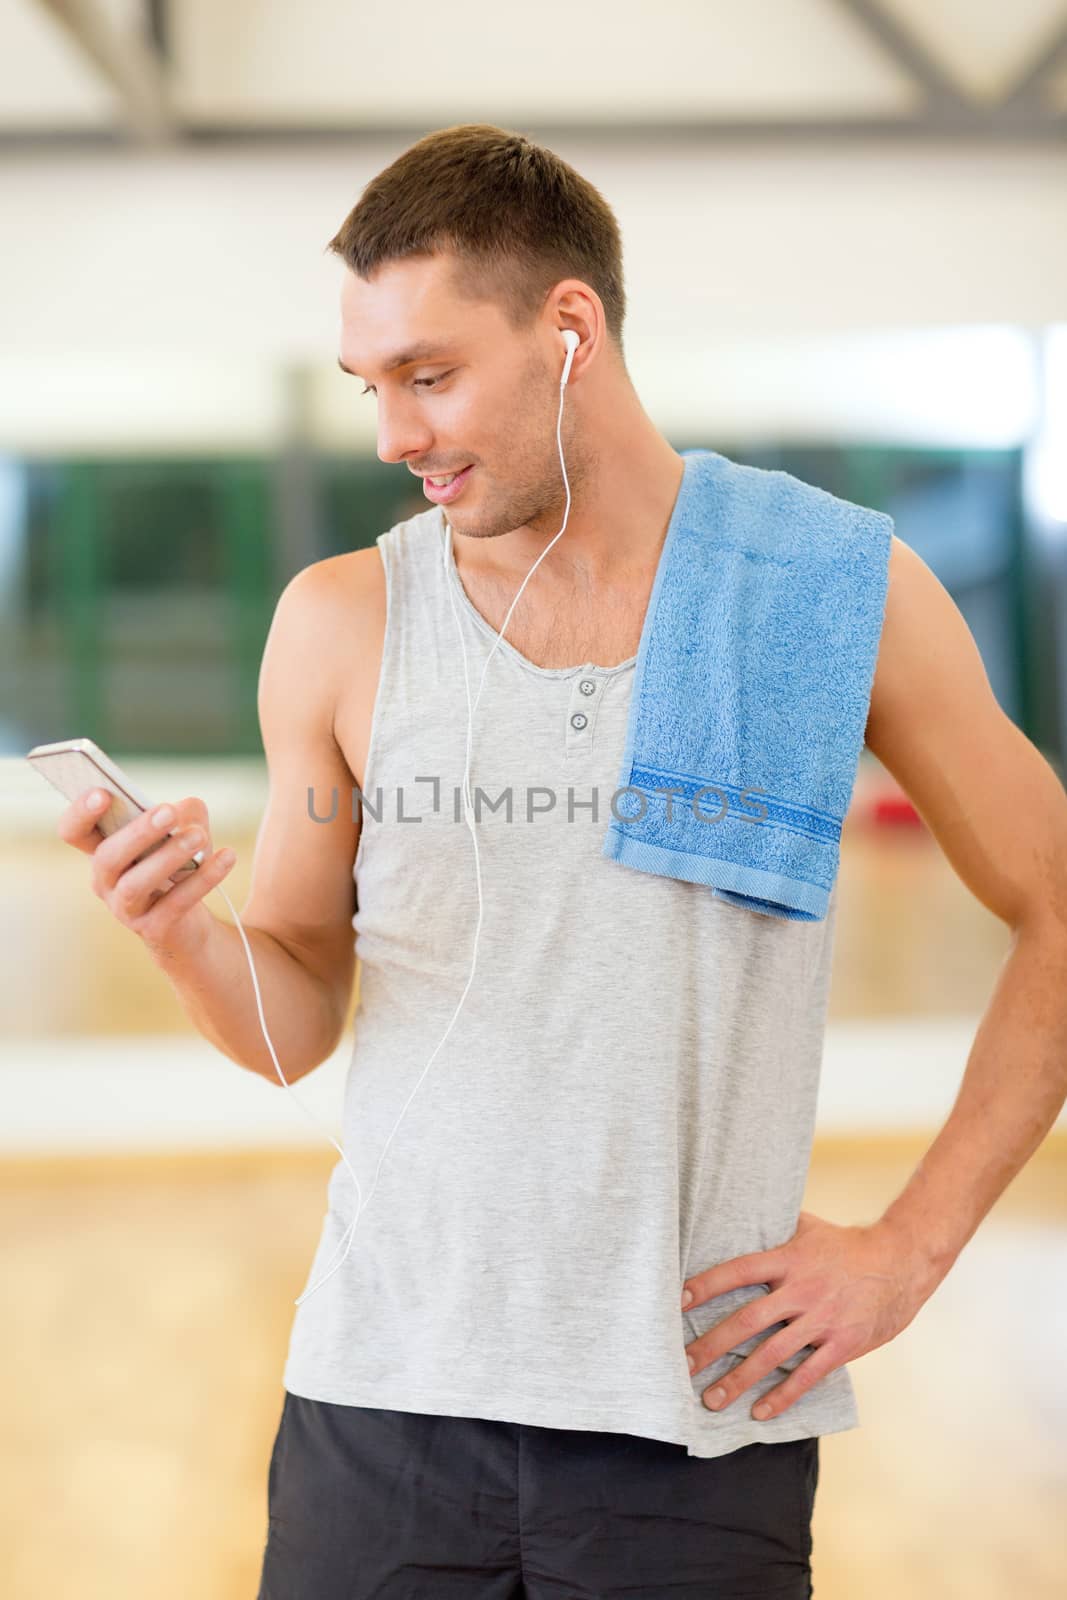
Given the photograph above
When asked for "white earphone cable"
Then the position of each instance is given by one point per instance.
(468, 817)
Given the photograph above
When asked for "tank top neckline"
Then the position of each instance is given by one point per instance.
(487, 628)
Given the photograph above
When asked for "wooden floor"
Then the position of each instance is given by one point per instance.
(148, 1306)
(149, 1302)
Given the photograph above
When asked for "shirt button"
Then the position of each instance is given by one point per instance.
(579, 720)
(587, 686)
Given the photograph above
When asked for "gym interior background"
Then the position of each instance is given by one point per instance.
(845, 231)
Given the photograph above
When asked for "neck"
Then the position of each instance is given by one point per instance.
(619, 511)
(621, 505)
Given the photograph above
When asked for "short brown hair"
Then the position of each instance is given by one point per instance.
(518, 218)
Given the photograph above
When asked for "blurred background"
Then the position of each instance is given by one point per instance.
(845, 233)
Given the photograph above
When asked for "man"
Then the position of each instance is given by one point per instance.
(613, 1103)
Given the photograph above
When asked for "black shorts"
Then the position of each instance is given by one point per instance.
(405, 1505)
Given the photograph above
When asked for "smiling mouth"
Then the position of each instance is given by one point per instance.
(445, 493)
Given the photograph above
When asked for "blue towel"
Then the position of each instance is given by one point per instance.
(752, 687)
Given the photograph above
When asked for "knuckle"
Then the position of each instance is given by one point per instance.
(125, 892)
(775, 1351)
(73, 829)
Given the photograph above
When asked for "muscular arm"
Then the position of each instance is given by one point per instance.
(298, 912)
(999, 813)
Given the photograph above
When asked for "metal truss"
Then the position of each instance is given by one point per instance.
(135, 67)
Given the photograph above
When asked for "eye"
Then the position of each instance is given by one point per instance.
(429, 382)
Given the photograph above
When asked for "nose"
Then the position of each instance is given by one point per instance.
(401, 432)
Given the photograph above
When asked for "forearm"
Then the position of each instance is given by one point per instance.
(212, 980)
(1013, 1089)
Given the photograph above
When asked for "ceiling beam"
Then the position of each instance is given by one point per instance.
(943, 94)
(1027, 88)
(157, 25)
(126, 61)
(135, 66)
(979, 127)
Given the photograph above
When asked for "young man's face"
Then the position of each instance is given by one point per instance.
(481, 394)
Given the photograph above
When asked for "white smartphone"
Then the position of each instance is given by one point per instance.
(74, 765)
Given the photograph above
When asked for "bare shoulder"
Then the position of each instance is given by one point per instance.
(358, 571)
(329, 589)
(990, 797)
(335, 609)
(339, 612)
(921, 629)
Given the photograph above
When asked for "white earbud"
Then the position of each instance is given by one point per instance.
(571, 340)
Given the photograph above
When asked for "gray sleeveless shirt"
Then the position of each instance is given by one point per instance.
(626, 1098)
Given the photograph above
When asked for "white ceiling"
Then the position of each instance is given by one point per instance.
(618, 64)
(814, 286)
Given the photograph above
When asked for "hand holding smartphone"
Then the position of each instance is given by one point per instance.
(137, 860)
